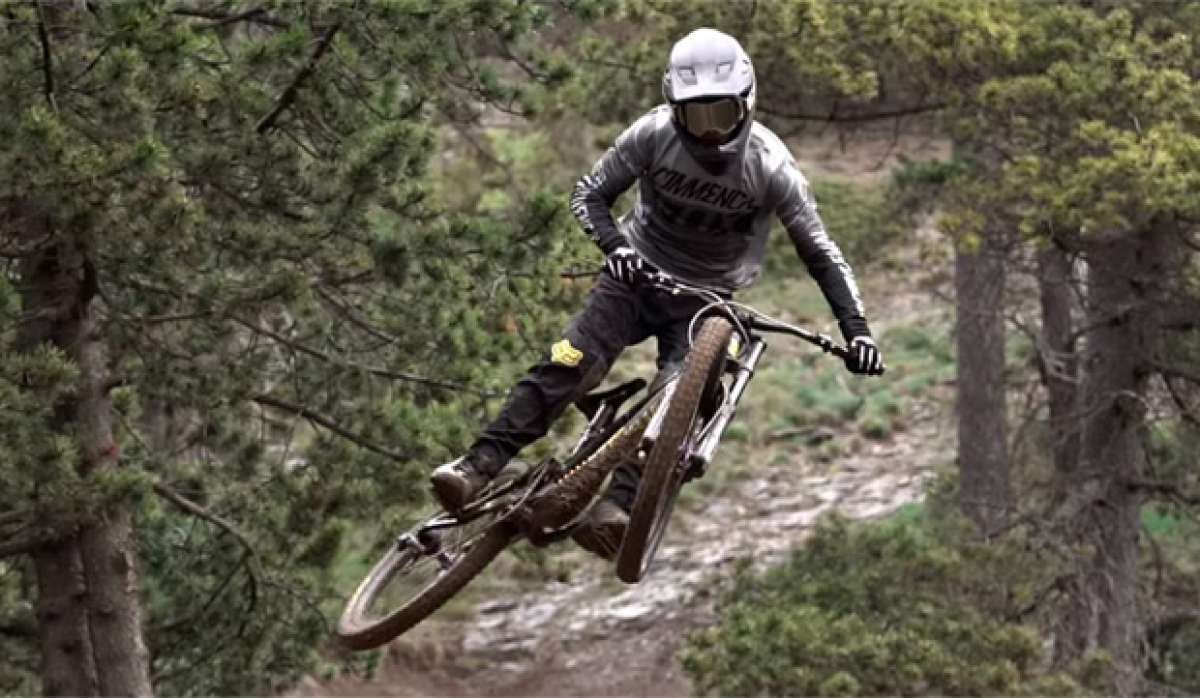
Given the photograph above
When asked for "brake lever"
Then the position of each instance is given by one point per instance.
(663, 281)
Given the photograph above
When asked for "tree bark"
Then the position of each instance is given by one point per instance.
(1122, 314)
(1058, 362)
(985, 493)
(88, 607)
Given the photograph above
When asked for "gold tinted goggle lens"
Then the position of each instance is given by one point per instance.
(720, 116)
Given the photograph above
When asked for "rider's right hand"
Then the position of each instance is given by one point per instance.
(625, 265)
(863, 357)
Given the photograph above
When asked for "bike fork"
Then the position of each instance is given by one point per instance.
(700, 458)
(702, 455)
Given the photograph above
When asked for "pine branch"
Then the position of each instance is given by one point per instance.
(47, 59)
(1182, 317)
(834, 117)
(373, 370)
(508, 54)
(21, 630)
(1058, 584)
(91, 65)
(257, 15)
(215, 594)
(28, 543)
(9, 518)
(1185, 410)
(576, 274)
(351, 314)
(326, 422)
(1176, 371)
(1169, 490)
(289, 94)
(173, 496)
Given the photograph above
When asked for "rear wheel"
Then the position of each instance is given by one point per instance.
(663, 472)
(418, 574)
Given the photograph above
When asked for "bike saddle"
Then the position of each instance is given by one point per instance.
(588, 404)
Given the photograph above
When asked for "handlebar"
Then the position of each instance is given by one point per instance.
(825, 342)
(747, 317)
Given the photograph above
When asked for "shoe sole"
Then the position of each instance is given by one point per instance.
(449, 496)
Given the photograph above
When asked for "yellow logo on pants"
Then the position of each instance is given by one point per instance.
(565, 354)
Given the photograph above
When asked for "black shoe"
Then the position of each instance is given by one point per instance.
(603, 530)
(456, 483)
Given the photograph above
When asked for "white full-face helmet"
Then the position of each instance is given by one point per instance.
(710, 86)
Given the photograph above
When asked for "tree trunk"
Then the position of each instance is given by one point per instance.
(1122, 313)
(1057, 352)
(88, 608)
(985, 493)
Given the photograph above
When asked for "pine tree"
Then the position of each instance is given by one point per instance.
(236, 327)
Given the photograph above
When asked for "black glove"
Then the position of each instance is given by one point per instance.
(863, 357)
(626, 266)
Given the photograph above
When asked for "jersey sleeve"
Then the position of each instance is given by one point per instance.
(797, 210)
(613, 173)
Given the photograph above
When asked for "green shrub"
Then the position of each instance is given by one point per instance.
(1176, 658)
(875, 428)
(879, 609)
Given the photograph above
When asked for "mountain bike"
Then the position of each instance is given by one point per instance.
(670, 434)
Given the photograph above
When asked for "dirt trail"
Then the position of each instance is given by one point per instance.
(593, 636)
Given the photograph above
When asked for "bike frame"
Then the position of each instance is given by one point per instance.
(605, 423)
(543, 505)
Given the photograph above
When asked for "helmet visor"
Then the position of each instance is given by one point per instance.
(711, 119)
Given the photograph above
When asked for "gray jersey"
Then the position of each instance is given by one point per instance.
(711, 229)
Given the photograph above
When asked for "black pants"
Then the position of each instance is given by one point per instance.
(616, 315)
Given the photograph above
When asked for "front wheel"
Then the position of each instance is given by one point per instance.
(419, 573)
(663, 472)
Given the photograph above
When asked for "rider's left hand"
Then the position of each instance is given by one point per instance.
(864, 357)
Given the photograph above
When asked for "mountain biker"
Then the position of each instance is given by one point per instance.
(709, 178)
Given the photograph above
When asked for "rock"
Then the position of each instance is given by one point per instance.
(492, 622)
(498, 606)
(786, 504)
(631, 612)
(868, 510)
(803, 519)
(506, 647)
(812, 436)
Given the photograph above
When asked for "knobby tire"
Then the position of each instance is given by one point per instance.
(661, 475)
(358, 632)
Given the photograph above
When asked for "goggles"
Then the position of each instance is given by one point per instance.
(711, 119)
